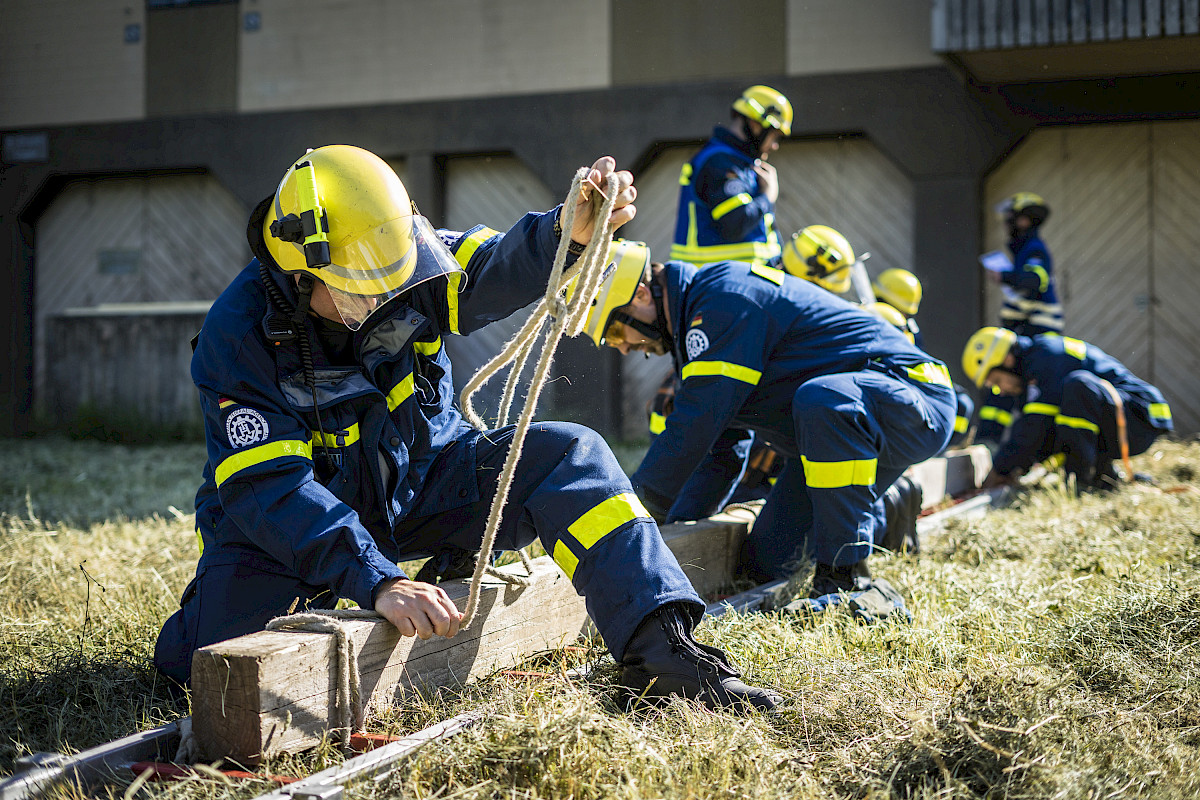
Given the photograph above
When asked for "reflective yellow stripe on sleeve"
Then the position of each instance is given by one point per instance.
(565, 558)
(772, 274)
(1074, 347)
(1040, 408)
(199, 540)
(931, 372)
(469, 244)
(244, 459)
(839, 474)
(1077, 422)
(995, 415)
(658, 423)
(960, 424)
(736, 371)
(399, 393)
(1160, 411)
(737, 201)
(428, 348)
(1043, 278)
(604, 518)
(685, 174)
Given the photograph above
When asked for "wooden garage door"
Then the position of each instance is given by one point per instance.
(1122, 242)
(136, 240)
(495, 191)
(845, 183)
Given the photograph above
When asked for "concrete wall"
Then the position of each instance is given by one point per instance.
(64, 61)
(825, 36)
(316, 53)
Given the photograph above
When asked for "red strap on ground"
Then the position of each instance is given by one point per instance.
(174, 772)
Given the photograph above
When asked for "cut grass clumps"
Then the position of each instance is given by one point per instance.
(1055, 652)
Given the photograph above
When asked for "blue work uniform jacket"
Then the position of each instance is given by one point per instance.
(1030, 304)
(324, 505)
(1044, 362)
(723, 213)
(746, 337)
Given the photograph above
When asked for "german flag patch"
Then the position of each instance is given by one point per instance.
(696, 320)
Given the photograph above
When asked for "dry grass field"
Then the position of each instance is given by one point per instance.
(1055, 653)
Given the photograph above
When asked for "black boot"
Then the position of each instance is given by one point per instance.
(663, 659)
(902, 505)
(847, 578)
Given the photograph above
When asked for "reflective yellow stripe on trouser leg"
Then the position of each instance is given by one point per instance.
(596, 523)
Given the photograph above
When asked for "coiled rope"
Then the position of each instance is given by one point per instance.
(566, 317)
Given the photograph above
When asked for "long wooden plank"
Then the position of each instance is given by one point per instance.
(951, 474)
(273, 692)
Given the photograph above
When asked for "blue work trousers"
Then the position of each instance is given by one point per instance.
(562, 492)
(856, 433)
(1086, 430)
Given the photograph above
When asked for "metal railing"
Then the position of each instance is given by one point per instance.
(968, 25)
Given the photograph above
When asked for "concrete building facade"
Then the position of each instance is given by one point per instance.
(137, 135)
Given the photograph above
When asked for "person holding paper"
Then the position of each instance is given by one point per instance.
(1030, 304)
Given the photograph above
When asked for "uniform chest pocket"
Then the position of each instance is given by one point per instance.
(427, 383)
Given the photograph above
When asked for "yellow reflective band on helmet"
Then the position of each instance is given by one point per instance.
(1040, 408)
(469, 244)
(1077, 422)
(1043, 278)
(428, 348)
(1074, 347)
(839, 474)
(199, 540)
(604, 518)
(960, 424)
(931, 372)
(698, 369)
(658, 423)
(1160, 411)
(685, 174)
(995, 415)
(737, 201)
(399, 393)
(244, 459)
(772, 274)
(336, 438)
(565, 559)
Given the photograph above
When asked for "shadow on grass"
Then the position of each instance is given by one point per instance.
(77, 703)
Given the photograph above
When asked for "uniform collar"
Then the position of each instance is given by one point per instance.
(728, 138)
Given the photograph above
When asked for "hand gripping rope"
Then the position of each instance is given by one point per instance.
(566, 316)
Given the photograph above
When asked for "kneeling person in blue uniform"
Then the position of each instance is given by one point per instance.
(335, 449)
(1079, 401)
(839, 391)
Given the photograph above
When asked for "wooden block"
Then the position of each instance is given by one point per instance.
(952, 474)
(707, 549)
(273, 692)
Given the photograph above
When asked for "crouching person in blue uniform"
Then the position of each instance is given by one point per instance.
(839, 391)
(335, 449)
(1079, 401)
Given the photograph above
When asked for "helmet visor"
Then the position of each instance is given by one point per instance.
(383, 263)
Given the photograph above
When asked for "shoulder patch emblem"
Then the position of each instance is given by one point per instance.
(245, 426)
(696, 342)
(449, 238)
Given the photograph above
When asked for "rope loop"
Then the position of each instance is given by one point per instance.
(556, 315)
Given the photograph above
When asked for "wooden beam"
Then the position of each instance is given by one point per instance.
(275, 691)
(952, 474)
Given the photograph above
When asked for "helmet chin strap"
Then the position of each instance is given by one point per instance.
(756, 140)
(660, 330)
